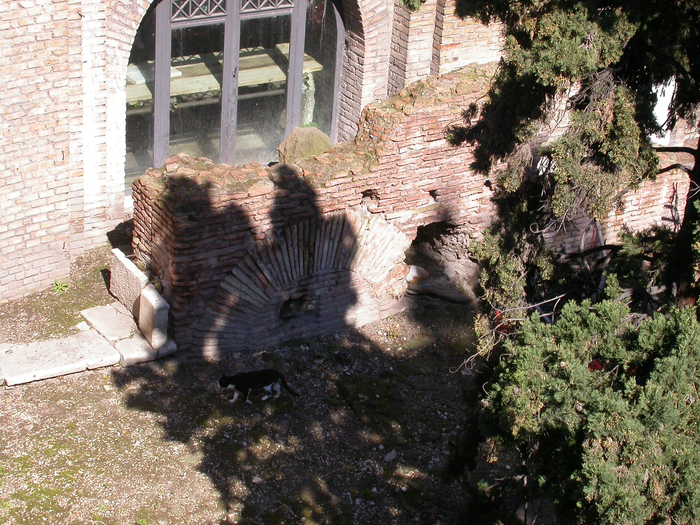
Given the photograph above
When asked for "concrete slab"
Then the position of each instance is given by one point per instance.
(3, 348)
(135, 350)
(32, 362)
(112, 321)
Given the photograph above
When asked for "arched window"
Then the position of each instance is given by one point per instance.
(230, 79)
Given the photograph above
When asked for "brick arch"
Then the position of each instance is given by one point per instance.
(122, 20)
(368, 28)
(314, 277)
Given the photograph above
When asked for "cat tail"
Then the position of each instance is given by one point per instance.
(288, 388)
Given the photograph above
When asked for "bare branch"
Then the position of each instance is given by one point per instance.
(595, 249)
(528, 306)
(681, 167)
(677, 149)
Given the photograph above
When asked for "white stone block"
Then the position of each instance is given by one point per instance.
(55, 357)
(112, 321)
(135, 350)
(168, 348)
(153, 317)
(126, 281)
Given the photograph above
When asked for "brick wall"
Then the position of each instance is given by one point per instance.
(353, 72)
(460, 42)
(660, 202)
(412, 44)
(61, 145)
(253, 256)
(233, 246)
(388, 47)
(38, 153)
(433, 40)
(399, 48)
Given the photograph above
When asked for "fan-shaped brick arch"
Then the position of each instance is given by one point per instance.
(239, 249)
(314, 277)
(252, 256)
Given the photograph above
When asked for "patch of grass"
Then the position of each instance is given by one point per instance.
(40, 501)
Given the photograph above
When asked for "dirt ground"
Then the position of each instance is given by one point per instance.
(378, 435)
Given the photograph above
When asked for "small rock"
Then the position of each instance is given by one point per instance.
(257, 480)
(391, 456)
(416, 274)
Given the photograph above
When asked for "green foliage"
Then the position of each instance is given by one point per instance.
(599, 63)
(601, 153)
(643, 260)
(515, 266)
(696, 242)
(413, 5)
(606, 413)
(602, 403)
(58, 287)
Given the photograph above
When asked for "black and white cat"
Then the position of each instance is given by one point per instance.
(268, 380)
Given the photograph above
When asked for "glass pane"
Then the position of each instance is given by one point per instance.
(139, 101)
(195, 90)
(262, 88)
(319, 66)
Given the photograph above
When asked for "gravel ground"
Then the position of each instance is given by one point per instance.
(54, 312)
(369, 441)
(377, 436)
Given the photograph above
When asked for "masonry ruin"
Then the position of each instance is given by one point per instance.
(252, 256)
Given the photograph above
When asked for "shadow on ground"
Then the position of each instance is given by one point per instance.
(377, 435)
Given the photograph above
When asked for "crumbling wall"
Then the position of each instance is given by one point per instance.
(236, 247)
(252, 256)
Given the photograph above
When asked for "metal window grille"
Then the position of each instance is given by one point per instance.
(197, 9)
(252, 6)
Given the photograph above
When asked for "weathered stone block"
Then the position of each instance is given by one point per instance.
(112, 322)
(153, 317)
(56, 357)
(303, 142)
(126, 281)
(135, 350)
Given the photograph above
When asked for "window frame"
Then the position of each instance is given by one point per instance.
(231, 19)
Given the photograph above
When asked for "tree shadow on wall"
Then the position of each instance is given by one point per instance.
(365, 442)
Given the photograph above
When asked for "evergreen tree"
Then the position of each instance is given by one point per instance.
(606, 414)
(602, 403)
(604, 62)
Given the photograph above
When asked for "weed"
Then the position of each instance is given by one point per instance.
(59, 288)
